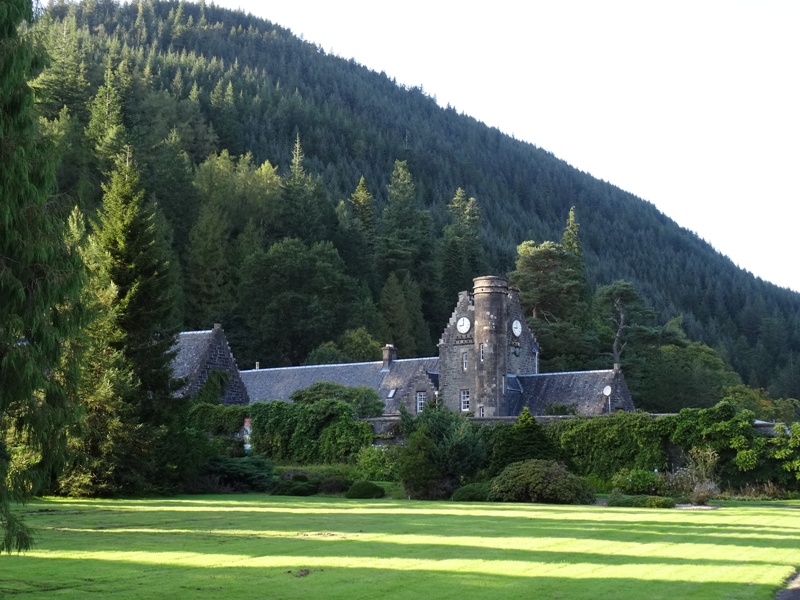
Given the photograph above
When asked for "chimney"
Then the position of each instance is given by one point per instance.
(389, 355)
(258, 365)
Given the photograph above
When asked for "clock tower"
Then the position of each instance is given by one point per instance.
(485, 342)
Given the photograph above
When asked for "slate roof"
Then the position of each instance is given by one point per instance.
(582, 389)
(191, 347)
(279, 383)
(197, 354)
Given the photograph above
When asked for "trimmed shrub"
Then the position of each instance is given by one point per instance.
(365, 489)
(246, 474)
(472, 492)
(640, 501)
(659, 502)
(295, 488)
(638, 481)
(536, 480)
(334, 485)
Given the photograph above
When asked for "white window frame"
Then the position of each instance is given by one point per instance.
(482, 412)
(464, 360)
(422, 398)
(464, 397)
(481, 352)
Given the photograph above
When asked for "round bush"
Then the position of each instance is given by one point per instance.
(295, 488)
(640, 501)
(638, 481)
(472, 492)
(536, 480)
(365, 489)
(334, 484)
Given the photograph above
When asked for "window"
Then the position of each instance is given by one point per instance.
(422, 397)
(464, 360)
(481, 352)
(482, 412)
(464, 400)
(391, 393)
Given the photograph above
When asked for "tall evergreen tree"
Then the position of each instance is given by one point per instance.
(210, 282)
(401, 236)
(109, 444)
(306, 213)
(461, 256)
(40, 282)
(137, 265)
(399, 322)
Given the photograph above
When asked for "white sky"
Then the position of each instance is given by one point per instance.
(692, 105)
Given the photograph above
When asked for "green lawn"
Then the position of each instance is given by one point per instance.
(258, 546)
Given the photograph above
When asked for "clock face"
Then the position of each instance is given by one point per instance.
(516, 327)
(463, 325)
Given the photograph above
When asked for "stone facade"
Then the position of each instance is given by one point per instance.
(485, 340)
(488, 366)
(198, 353)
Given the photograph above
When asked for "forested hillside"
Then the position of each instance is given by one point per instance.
(316, 206)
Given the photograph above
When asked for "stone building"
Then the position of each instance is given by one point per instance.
(197, 353)
(488, 366)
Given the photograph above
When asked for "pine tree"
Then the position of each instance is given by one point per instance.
(137, 265)
(210, 283)
(362, 204)
(108, 444)
(399, 322)
(401, 236)
(305, 212)
(40, 282)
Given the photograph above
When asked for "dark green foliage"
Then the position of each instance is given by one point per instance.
(744, 456)
(288, 321)
(472, 492)
(637, 443)
(191, 80)
(604, 445)
(379, 463)
(543, 481)
(522, 441)
(638, 481)
(365, 401)
(334, 484)
(323, 431)
(40, 280)
(365, 489)
(640, 501)
(238, 475)
(217, 419)
(443, 448)
(137, 265)
(291, 487)
(421, 477)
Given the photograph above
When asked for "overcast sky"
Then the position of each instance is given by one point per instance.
(693, 106)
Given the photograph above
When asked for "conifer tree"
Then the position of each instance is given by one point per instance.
(136, 263)
(399, 322)
(40, 282)
(109, 444)
(210, 284)
(305, 212)
(400, 237)
(362, 204)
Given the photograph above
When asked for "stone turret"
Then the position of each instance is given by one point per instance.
(490, 296)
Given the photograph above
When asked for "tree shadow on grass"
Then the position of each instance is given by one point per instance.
(36, 577)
